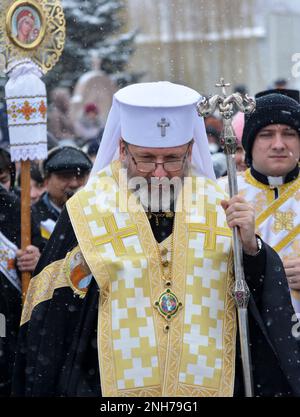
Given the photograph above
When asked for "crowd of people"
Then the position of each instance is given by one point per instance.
(117, 287)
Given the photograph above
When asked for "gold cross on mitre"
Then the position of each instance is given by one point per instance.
(210, 229)
(284, 221)
(115, 235)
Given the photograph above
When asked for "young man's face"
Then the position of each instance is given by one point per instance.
(61, 185)
(276, 150)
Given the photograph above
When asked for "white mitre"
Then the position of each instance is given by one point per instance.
(157, 115)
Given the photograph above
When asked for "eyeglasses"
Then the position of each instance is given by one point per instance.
(170, 166)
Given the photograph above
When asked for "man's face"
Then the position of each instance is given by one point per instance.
(62, 185)
(137, 159)
(130, 155)
(276, 150)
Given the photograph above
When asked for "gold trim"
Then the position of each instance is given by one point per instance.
(38, 9)
(101, 274)
(252, 181)
(104, 343)
(86, 244)
(175, 336)
(278, 202)
(230, 330)
(287, 239)
(42, 287)
(286, 191)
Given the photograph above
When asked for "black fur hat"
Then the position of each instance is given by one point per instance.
(274, 108)
(66, 158)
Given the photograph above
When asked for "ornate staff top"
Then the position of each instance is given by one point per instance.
(226, 106)
(31, 29)
(223, 85)
(32, 36)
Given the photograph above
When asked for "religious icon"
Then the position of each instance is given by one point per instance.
(31, 29)
(168, 304)
(25, 24)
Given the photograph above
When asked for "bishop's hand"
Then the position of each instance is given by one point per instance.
(242, 214)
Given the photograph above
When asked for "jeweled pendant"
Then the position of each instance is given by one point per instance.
(168, 304)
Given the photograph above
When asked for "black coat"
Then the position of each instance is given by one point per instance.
(65, 363)
(10, 297)
(45, 211)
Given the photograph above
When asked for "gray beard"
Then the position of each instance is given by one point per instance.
(163, 193)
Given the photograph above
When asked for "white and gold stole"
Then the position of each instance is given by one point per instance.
(137, 356)
(277, 220)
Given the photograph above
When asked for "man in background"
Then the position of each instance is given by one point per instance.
(272, 182)
(65, 170)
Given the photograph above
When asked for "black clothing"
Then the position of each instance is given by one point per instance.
(65, 363)
(10, 220)
(4, 140)
(291, 176)
(161, 226)
(45, 210)
(10, 297)
(295, 94)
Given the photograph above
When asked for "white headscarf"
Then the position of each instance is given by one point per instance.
(139, 113)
